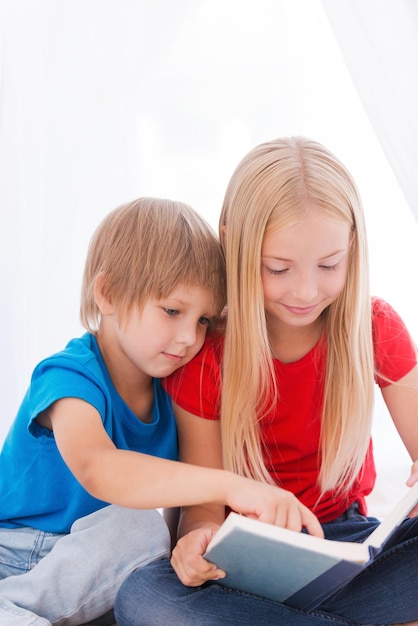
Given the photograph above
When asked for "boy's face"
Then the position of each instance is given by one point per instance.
(166, 334)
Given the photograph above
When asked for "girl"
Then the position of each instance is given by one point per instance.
(96, 427)
(303, 346)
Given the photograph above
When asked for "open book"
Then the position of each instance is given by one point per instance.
(295, 568)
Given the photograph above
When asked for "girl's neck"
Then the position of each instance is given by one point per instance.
(290, 344)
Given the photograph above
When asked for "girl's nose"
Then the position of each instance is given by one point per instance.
(305, 288)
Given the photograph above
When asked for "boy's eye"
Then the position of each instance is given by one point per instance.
(171, 312)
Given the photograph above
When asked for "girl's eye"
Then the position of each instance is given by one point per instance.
(171, 312)
(328, 268)
(274, 272)
(204, 321)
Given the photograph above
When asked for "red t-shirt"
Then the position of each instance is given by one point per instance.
(291, 433)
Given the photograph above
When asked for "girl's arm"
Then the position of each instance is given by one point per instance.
(401, 399)
(199, 444)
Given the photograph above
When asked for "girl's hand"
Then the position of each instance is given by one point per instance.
(257, 500)
(413, 478)
(187, 558)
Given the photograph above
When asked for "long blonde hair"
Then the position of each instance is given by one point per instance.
(144, 249)
(272, 187)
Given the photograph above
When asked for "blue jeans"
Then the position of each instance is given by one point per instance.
(73, 578)
(386, 592)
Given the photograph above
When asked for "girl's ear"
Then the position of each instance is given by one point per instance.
(102, 299)
(222, 235)
(352, 239)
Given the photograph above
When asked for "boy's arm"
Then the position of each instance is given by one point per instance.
(142, 481)
(123, 477)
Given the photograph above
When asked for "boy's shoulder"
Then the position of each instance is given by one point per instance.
(80, 349)
(76, 371)
(80, 354)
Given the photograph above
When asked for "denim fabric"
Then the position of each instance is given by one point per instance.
(384, 593)
(72, 579)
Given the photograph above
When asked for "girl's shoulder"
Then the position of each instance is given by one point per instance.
(214, 344)
(381, 308)
(196, 386)
(395, 350)
(385, 319)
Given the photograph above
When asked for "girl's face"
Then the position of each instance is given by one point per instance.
(303, 270)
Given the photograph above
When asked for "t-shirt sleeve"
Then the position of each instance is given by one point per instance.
(395, 350)
(57, 378)
(196, 386)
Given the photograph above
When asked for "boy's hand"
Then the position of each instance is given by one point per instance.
(271, 504)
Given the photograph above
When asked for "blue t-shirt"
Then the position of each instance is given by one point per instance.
(36, 487)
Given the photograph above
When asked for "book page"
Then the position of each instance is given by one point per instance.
(394, 518)
(350, 551)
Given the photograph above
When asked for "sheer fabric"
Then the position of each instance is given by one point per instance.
(379, 41)
(101, 102)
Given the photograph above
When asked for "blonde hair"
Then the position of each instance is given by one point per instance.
(144, 249)
(273, 187)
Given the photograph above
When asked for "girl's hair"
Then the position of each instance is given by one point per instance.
(274, 187)
(143, 250)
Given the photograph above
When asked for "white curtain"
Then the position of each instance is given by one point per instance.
(104, 101)
(379, 41)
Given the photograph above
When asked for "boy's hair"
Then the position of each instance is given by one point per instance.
(143, 250)
(275, 186)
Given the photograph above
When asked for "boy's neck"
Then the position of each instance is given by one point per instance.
(132, 384)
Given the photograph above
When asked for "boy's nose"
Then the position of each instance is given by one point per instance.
(187, 335)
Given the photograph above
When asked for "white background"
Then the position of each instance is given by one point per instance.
(104, 101)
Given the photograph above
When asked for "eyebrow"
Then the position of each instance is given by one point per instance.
(336, 253)
(176, 302)
(324, 258)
